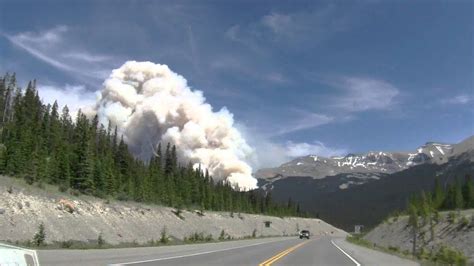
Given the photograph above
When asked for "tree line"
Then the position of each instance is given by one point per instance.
(423, 209)
(43, 144)
(453, 196)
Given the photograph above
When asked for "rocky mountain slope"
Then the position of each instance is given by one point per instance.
(366, 166)
(457, 232)
(350, 198)
(84, 218)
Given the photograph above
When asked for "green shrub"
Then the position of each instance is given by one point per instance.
(464, 222)
(63, 187)
(436, 216)
(30, 179)
(447, 255)
(122, 196)
(40, 236)
(40, 184)
(198, 237)
(423, 254)
(164, 236)
(359, 241)
(394, 249)
(254, 233)
(222, 235)
(66, 244)
(452, 217)
(100, 240)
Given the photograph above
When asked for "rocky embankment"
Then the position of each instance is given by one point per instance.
(83, 218)
(453, 229)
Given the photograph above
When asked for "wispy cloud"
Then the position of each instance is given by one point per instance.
(304, 120)
(53, 47)
(239, 66)
(297, 149)
(458, 99)
(307, 27)
(277, 78)
(34, 43)
(363, 94)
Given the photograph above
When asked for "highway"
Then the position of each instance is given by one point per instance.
(319, 250)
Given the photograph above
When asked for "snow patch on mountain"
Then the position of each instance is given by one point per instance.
(365, 166)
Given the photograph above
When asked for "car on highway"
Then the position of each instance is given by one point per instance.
(304, 234)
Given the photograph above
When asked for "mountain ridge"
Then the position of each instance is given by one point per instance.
(371, 164)
(346, 199)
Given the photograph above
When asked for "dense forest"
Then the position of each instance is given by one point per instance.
(43, 144)
(456, 196)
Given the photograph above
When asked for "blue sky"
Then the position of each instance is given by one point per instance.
(300, 77)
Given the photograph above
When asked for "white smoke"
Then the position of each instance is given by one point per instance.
(150, 103)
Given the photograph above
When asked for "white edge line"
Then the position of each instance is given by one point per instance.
(345, 253)
(194, 254)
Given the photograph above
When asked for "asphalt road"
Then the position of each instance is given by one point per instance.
(271, 251)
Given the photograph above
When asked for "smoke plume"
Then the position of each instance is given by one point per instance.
(149, 104)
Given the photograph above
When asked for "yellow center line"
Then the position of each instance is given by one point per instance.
(283, 253)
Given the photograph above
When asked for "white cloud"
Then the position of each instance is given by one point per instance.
(277, 78)
(54, 48)
(305, 120)
(74, 96)
(268, 153)
(315, 148)
(362, 94)
(271, 154)
(84, 56)
(459, 99)
(278, 23)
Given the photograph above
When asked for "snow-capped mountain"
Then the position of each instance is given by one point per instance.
(365, 188)
(370, 165)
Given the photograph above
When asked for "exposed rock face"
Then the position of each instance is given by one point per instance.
(83, 218)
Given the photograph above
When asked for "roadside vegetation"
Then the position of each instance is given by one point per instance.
(44, 145)
(423, 212)
(39, 240)
(424, 215)
(443, 256)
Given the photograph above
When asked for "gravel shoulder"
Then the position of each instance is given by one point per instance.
(367, 256)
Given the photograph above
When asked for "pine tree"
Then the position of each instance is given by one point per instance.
(40, 145)
(168, 160)
(468, 192)
(413, 222)
(40, 236)
(449, 200)
(438, 195)
(458, 197)
(82, 179)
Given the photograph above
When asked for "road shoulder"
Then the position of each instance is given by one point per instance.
(368, 256)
